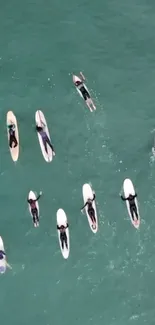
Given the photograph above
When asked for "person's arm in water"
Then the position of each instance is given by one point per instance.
(94, 197)
(124, 198)
(65, 227)
(29, 200)
(127, 198)
(84, 206)
(134, 196)
(38, 197)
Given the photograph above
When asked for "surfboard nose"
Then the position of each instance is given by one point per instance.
(60, 211)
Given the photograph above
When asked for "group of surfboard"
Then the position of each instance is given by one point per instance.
(41, 125)
(88, 194)
(129, 192)
(41, 128)
(61, 217)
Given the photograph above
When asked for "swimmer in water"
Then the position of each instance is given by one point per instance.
(85, 94)
(45, 138)
(91, 210)
(12, 137)
(132, 205)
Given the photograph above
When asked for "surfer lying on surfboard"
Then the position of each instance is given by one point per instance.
(12, 137)
(86, 96)
(133, 208)
(34, 209)
(45, 138)
(63, 236)
(90, 210)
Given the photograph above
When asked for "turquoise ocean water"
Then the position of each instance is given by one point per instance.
(109, 277)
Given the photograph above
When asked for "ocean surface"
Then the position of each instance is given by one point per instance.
(109, 276)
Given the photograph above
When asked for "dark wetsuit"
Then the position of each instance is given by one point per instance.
(133, 208)
(2, 254)
(12, 139)
(90, 210)
(45, 138)
(84, 92)
(34, 209)
(63, 236)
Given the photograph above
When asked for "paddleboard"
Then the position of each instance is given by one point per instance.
(3, 265)
(32, 196)
(75, 78)
(39, 118)
(62, 221)
(11, 118)
(129, 189)
(88, 194)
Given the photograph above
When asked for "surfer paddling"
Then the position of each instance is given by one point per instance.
(45, 138)
(85, 94)
(132, 205)
(63, 236)
(91, 211)
(34, 209)
(12, 137)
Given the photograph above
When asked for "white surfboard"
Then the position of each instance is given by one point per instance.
(153, 151)
(75, 78)
(11, 118)
(39, 118)
(129, 189)
(62, 221)
(88, 194)
(32, 196)
(3, 264)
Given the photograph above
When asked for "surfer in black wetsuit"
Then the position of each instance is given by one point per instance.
(133, 208)
(45, 138)
(34, 209)
(90, 210)
(86, 96)
(12, 137)
(79, 84)
(63, 236)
